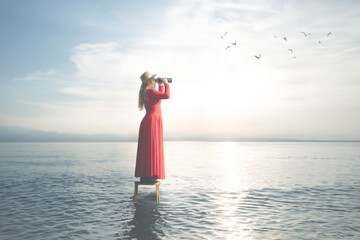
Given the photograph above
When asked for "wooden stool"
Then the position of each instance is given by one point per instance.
(137, 183)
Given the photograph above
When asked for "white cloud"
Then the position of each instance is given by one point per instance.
(99, 62)
(89, 93)
(39, 75)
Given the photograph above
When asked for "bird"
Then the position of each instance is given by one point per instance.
(227, 47)
(224, 35)
(294, 56)
(328, 34)
(258, 57)
(305, 34)
(290, 50)
(319, 41)
(234, 43)
(275, 36)
(285, 38)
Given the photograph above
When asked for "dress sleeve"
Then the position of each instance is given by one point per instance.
(161, 88)
(152, 93)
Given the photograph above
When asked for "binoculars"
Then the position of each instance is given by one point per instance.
(159, 80)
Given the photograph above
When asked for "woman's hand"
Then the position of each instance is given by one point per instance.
(164, 80)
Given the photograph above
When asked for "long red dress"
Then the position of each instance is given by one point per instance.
(150, 150)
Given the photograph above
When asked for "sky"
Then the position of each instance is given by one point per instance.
(75, 66)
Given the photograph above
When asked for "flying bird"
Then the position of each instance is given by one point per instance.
(227, 47)
(224, 35)
(285, 38)
(305, 34)
(258, 57)
(234, 43)
(319, 41)
(328, 34)
(294, 56)
(290, 50)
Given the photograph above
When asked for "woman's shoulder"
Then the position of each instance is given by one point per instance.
(151, 90)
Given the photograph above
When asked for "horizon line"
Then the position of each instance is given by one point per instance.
(21, 134)
(187, 140)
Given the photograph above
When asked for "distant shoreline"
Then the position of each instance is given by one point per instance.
(20, 134)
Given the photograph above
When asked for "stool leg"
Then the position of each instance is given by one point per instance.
(157, 193)
(135, 191)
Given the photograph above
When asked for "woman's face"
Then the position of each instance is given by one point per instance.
(152, 84)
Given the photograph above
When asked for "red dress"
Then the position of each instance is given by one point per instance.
(150, 150)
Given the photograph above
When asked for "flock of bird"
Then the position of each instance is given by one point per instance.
(284, 38)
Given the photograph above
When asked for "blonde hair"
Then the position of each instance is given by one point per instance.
(142, 93)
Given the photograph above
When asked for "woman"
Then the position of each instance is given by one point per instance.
(150, 151)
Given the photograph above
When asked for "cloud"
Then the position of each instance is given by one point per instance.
(98, 62)
(39, 75)
(89, 93)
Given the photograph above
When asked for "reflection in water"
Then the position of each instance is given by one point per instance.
(235, 226)
(233, 167)
(147, 221)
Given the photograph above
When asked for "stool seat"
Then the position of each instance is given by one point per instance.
(157, 184)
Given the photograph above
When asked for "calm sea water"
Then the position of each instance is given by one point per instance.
(212, 190)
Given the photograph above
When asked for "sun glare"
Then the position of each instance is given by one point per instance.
(233, 169)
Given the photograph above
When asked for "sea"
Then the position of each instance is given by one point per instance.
(212, 190)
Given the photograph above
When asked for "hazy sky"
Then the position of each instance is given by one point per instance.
(75, 66)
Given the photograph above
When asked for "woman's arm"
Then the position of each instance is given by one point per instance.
(152, 93)
(161, 87)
